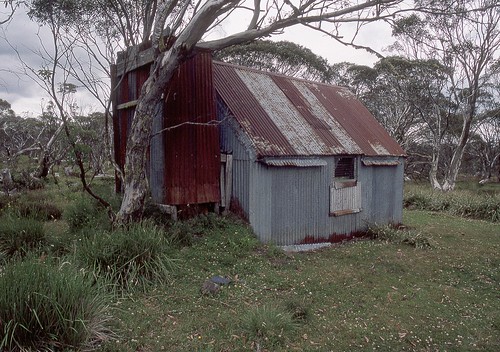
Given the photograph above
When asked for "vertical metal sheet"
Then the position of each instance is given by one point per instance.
(192, 155)
(288, 205)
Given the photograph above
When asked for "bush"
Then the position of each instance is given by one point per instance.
(269, 326)
(130, 258)
(19, 236)
(44, 307)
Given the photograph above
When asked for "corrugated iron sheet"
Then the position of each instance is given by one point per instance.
(192, 153)
(297, 162)
(191, 157)
(286, 116)
(370, 161)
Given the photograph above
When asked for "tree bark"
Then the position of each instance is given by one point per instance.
(456, 160)
(135, 183)
(163, 67)
(433, 173)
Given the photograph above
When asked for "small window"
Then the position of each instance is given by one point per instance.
(345, 192)
(345, 169)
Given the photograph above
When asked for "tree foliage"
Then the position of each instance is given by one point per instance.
(282, 57)
(464, 37)
(185, 24)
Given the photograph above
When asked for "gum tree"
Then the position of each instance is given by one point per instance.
(282, 57)
(188, 22)
(467, 43)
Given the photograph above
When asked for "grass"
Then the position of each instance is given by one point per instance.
(18, 236)
(469, 200)
(128, 259)
(48, 307)
(432, 286)
(364, 295)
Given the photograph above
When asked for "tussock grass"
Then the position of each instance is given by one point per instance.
(129, 259)
(85, 213)
(18, 236)
(44, 307)
(400, 236)
(40, 211)
(462, 202)
(269, 326)
(384, 294)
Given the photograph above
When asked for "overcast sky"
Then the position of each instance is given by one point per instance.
(27, 98)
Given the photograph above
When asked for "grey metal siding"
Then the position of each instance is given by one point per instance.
(300, 204)
(288, 205)
(291, 205)
(238, 145)
(383, 195)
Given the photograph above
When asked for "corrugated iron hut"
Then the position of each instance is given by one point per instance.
(302, 161)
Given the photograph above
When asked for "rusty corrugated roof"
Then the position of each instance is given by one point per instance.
(285, 116)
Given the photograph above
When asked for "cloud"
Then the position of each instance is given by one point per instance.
(25, 37)
(22, 39)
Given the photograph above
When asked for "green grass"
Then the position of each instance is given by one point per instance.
(48, 307)
(18, 236)
(469, 200)
(128, 259)
(364, 295)
(432, 286)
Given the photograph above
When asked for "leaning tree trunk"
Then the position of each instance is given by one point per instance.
(434, 170)
(135, 183)
(46, 160)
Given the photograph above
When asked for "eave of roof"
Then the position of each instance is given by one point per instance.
(285, 116)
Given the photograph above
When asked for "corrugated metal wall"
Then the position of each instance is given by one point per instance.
(192, 154)
(184, 164)
(287, 205)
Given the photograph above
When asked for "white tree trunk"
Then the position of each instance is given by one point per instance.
(456, 160)
(135, 178)
(135, 185)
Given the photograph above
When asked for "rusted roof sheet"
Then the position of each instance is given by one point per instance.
(387, 161)
(285, 116)
(297, 162)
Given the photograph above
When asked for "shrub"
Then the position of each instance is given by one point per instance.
(268, 326)
(44, 307)
(19, 236)
(129, 258)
